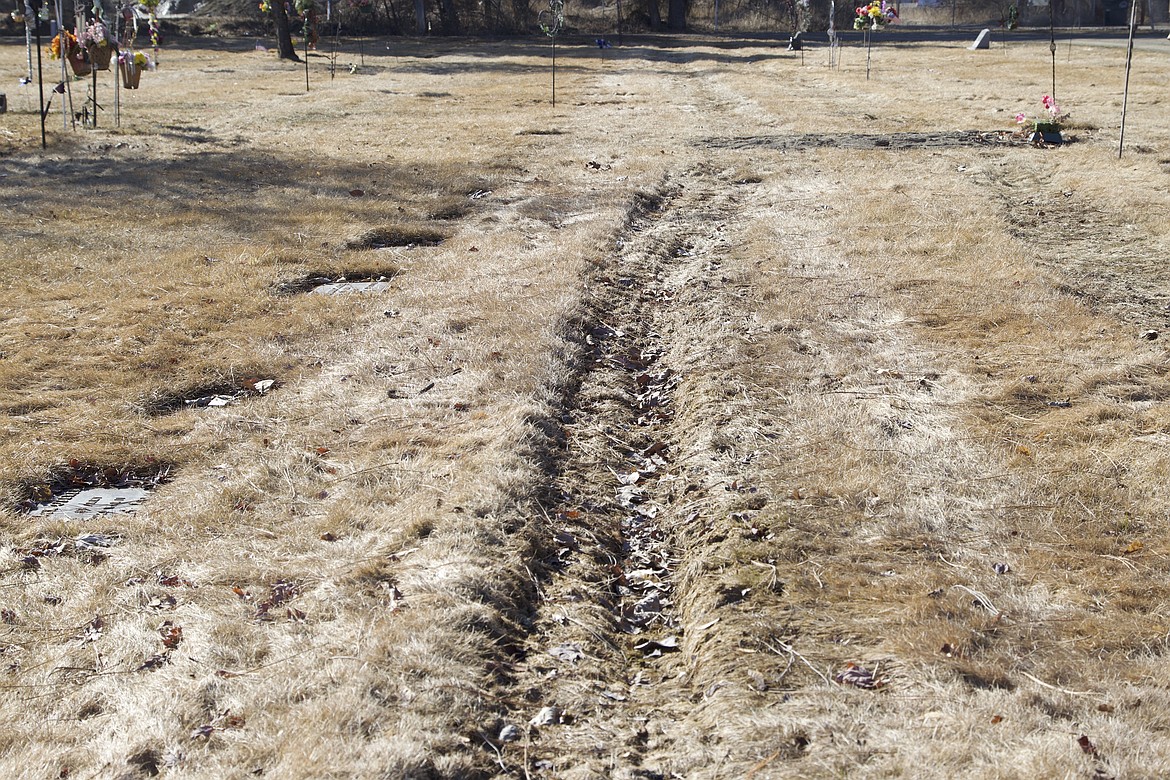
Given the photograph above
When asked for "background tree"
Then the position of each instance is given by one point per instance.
(284, 44)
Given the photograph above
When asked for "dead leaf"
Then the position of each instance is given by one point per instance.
(163, 602)
(357, 193)
(996, 719)
(548, 716)
(1087, 745)
(203, 732)
(656, 647)
(93, 632)
(171, 634)
(154, 662)
(657, 448)
(93, 541)
(1132, 548)
(858, 677)
(570, 652)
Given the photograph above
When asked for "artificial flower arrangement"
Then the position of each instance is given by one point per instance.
(71, 45)
(1050, 122)
(151, 7)
(131, 64)
(874, 16)
(100, 44)
(96, 34)
(138, 59)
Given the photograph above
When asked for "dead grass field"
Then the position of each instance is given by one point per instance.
(737, 417)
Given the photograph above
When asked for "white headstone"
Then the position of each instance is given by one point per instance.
(983, 41)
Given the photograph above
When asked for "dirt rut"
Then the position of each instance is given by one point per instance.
(607, 677)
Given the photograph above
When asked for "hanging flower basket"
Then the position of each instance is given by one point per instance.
(100, 56)
(80, 64)
(131, 65)
(131, 74)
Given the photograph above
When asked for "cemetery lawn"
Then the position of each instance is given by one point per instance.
(735, 417)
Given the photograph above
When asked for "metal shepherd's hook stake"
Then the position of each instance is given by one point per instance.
(552, 19)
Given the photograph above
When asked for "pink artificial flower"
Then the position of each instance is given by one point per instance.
(1048, 101)
(1020, 119)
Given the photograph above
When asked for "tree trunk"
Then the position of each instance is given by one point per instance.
(676, 15)
(655, 14)
(450, 17)
(284, 44)
(420, 17)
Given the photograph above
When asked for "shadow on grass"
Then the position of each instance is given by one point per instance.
(241, 188)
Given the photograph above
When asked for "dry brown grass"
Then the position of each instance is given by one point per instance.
(368, 563)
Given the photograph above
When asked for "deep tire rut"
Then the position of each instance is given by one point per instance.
(604, 683)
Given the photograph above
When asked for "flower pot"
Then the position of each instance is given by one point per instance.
(100, 56)
(1052, 137)
(131, 73)
(80, 65)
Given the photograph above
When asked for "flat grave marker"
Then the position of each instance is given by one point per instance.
(91, 502)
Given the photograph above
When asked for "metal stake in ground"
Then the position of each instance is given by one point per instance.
(868, 51)
(94, 73)
(832, 32)
(34, 10)
(306, 9)
(1128, 65)
(1052, 45)
(552, 19)
(29, 18)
